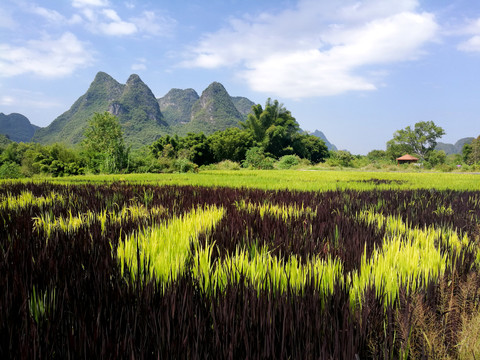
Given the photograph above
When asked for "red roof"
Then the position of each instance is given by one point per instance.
(407, 157)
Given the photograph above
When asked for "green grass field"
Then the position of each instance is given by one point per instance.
(294, 180)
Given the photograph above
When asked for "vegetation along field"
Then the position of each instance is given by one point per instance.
(375, 265)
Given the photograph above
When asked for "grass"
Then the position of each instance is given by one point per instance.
(318, 180)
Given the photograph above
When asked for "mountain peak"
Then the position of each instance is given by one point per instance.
(176, 105)
(214, 88)
(17, 127)
(215, 109)
(102, 77)
(134, 79)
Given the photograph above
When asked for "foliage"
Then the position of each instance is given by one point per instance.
(310, 147)
(255, 158)
(224, 165)
(471, 152)
(377, 155)
(184, 165)
(273, 128)
(57, 160)
(10, 170)
(230, 144)
(104, 145)
(172, 144)
(4, 141)
(341, 158)
(435, 158)
(288, 161)
(421, 140)
(196, 147)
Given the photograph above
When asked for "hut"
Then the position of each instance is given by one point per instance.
(406, 159)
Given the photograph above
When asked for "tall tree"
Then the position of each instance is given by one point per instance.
(104, 144)
(273, 127)
(473, 156)
(420, 140)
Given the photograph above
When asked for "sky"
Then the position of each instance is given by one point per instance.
(356, 70)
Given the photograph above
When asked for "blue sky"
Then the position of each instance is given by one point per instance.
(356, 70)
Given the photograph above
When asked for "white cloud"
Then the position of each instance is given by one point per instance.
(470, 45)
(317, 48)
(117, 28)
(46, 57)
(153, 24)
(7, 100)
(53, 16)
(471, 29)
(103, 19)
(88, 3)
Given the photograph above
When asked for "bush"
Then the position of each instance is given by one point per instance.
(287, 161)
(10, 170)
(227, 165)
(255, 158)
(185, 165)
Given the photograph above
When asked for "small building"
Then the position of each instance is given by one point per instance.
(406, 159)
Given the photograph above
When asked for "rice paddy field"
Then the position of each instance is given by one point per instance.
(246, 264)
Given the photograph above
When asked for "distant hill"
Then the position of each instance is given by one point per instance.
(17, 127)
(243, 105)
(454, 148)
(133, 103)
(4, 141)
(322, 136)
(177, 104)
(213, 111)
(143, 117)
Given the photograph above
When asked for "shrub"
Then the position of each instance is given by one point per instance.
(185, 165)
(287, 161)
(10, 170)
(255, 158)
(227, 165)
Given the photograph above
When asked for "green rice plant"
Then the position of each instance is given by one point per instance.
(47, 223)
(264, 271)
(26, 198)
(279, 211)
(162, 250)
(401, 262)
(409, 257)
(40, 304)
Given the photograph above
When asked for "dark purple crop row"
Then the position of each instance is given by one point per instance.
(96, 313)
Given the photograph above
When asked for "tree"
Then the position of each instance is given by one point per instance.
(196, 148)
(310, 147)
(420, 140)
(166, 146)
(473, 151)
(230, 144)
(104, 145)
(273, 128)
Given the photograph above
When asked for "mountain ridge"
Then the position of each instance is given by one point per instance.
(17, 127)
(143, 117)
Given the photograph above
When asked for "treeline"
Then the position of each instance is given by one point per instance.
(270, 138)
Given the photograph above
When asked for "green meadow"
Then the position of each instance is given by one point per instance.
(306, 180)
